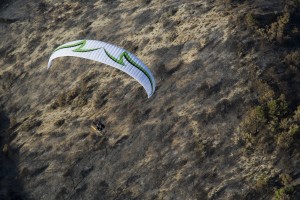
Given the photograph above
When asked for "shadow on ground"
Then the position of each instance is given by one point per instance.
(10, 184)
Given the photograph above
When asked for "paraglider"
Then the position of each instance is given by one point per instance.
(111, 55)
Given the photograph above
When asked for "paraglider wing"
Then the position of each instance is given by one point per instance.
(111, 55)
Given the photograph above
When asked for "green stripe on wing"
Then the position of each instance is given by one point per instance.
(81, 44)
(131, 61)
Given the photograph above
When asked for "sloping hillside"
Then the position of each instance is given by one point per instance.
(222, 124)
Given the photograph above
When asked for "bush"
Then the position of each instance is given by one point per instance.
(283, 193)
(277, 109)
(255, 119)
(271, 124)
(7, 79)
(262, 182)
(296, 116)
(59, 123)
(286, 138)
(275, 27)
(285, 179)
(276, 31)
(293, 59)
(265, 92)
(251, 21)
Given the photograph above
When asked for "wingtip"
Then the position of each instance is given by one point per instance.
(49, 65)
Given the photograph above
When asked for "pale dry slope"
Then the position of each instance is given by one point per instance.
(179, 144)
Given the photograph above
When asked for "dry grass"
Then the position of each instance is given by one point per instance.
(180, 143)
